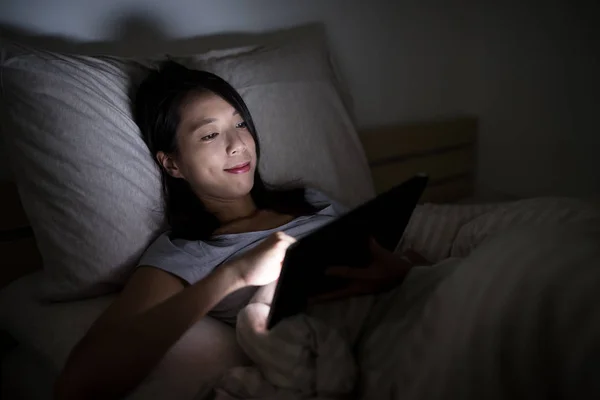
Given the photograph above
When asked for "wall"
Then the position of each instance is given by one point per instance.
(404, 61)
(534, 82)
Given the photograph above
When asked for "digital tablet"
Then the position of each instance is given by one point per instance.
(343, 242)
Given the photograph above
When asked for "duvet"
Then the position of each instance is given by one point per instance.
(514, 316)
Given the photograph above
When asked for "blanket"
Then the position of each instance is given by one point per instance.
(513, 318)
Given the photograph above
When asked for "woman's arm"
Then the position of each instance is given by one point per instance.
(134, 333)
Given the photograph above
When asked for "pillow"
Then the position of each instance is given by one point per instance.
(88, 183)
(84, 174)
(536, 212)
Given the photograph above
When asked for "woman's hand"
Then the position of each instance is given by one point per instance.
(262, 265)
(386, 271)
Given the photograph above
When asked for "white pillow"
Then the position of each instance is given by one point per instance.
(87, 181)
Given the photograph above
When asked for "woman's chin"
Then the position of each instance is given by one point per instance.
(242, 189)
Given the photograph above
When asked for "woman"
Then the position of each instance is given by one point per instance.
(228, 233)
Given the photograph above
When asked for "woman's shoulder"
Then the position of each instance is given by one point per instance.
(166, 244)
(166, 249)
(191, 260)
(162, 247)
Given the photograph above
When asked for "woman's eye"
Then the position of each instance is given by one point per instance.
(241, 125)
(209, 137)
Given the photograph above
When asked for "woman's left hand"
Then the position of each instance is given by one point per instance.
(386, 270)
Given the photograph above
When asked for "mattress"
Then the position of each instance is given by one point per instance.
(46, 333)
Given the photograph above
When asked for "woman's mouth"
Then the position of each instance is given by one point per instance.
(239, 169)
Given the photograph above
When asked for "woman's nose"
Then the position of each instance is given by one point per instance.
(235, 145)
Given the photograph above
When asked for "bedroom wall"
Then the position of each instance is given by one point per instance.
(404, 61)
(532, 77)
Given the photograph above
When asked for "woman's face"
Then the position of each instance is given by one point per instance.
(217, 154)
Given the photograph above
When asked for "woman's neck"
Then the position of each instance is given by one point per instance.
(261, 220)
(228, 211)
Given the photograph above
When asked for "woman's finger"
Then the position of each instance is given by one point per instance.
(284, 237)
(415, 258)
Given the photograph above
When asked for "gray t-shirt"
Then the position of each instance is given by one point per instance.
(192, 260)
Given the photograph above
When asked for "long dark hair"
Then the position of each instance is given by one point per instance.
(157, 112)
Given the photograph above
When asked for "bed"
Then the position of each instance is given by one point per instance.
(42, 316)
(47, 332)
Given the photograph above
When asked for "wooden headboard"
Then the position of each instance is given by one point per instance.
(445, 150)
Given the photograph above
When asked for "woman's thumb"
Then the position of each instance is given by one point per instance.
(284, 240)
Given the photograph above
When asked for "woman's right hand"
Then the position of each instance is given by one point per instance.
(262, 265)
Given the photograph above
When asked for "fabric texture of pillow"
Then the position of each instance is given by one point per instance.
(84, 174)
(87, 181)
